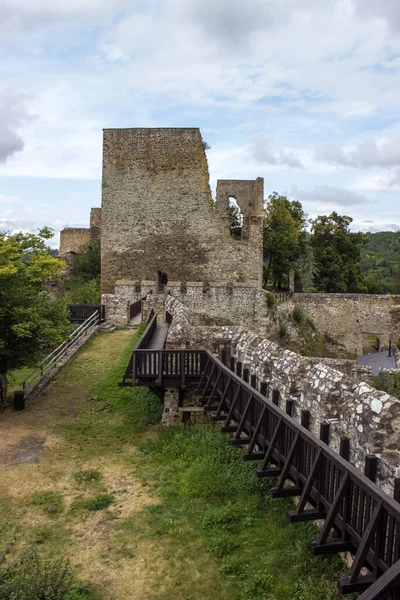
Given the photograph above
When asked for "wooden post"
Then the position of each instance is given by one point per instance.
(253, 381)
(263, 388)
(324, 432)
(344, 450)
(239, 368)
(396, 491)
(232, 365)
(289, 407)
(182, 368)
(275, 397)
(246, 375)
(223, 356)
(134, 367)
(371, 465)
(305, 418)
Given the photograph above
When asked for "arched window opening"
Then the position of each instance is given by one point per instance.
(235, 218)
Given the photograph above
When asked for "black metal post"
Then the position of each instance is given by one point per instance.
(19, 400)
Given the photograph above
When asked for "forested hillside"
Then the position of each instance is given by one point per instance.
(380, 262)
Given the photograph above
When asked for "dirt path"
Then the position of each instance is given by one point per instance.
(64, 431)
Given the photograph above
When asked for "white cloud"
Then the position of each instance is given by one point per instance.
(13, 114)
(384, 9)
(368, 153)
(329, 195)
(263, 150)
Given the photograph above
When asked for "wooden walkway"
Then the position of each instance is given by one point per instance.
(157, 342)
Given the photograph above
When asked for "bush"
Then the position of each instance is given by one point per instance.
(270, 298)
(388, 382)
(32, 578)
(298, 315)
(283, 331)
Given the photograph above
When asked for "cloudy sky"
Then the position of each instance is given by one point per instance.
(304, 93)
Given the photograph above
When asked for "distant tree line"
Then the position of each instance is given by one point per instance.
(328, 257)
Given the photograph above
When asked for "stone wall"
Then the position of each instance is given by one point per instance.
(347, 318)
(95, 224)
(370, 418)
(350, 318)
(72, 239)
(158, 214)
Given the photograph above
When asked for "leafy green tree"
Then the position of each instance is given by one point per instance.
(235, 221)
(31, 319)
(284, 236)
(87, 264)
(337, 254)
(83, 283)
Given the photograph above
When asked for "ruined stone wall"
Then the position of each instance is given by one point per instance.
(352, 317)
(370, 418)
(158, 214)
(348, 318)
(95, 224)
(72, 239)
(250, 198)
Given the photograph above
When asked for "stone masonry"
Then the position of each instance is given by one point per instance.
(73, 239)
(158, 215)
(370, 418)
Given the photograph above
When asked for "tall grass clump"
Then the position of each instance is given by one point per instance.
(388, 382)
(298, 315)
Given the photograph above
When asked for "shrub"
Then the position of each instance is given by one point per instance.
(388, 382)
(32, 578)
(100, 502)
(298, 315)
(283, 331)
(270, 298)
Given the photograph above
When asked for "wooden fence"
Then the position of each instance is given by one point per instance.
(40, 376)
(79, 313)
(356, 515)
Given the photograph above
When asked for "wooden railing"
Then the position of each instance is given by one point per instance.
(357, 515)
(79, 313)
(35, 380)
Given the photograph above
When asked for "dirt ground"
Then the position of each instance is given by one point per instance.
(40, 450)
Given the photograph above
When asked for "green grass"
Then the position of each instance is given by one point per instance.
(100, 502)
(388, 382)
(211, 498)
(208, 523)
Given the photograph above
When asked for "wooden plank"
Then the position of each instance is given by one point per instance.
(271, 448)
(287, 465)
(389, 581)
(256, 433)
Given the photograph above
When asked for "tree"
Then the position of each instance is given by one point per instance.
(235, 220)
(87, 264)
(284, 236)
(83, 283)
(31, 321)
(337, 254)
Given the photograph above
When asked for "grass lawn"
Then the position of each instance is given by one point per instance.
(141, 512)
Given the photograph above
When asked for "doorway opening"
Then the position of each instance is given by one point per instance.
(162, 281)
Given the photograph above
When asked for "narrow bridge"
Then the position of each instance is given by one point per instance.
(356, 515)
